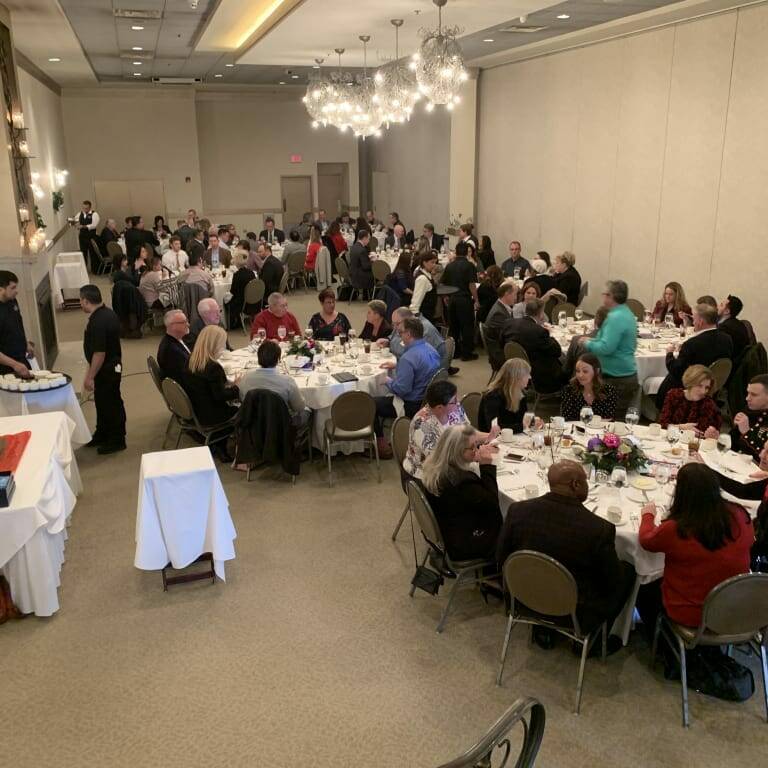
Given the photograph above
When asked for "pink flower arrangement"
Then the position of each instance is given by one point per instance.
(611, 440)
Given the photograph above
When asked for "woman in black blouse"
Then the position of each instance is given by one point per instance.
(565, 278)
(504, 399)
(376, 326)
(400, 280)
(587, 388)
(485, 254)
(328, 323)
(487, 291)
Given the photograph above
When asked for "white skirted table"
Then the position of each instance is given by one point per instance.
(182, 512)
(33, 528)
(68, 272)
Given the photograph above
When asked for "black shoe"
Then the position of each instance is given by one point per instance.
(544, 638)
(106, 448)
(453, 370)
(94, 442)
(470, 356)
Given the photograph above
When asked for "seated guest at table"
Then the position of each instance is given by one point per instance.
(487, 291)
(691, 407)
(137, 236)
(209, 313)
(174, 259)
(413, 372)
(498, 319)
(530, 292)
(467, 234)
(217, 255)
(196, 244)
(186, 230)
(465, 501)
(160, 228)
(587, 389)
(565, 277)
(196, 275)
(707, 344)
(707, 299)
(400, 279)
(334, 233)
(750, 429)
(421, 250)
(294, 245)
(376, 326)
(269, 377)
(149, 282)
(15, 350)
(615, 345)
(558, 524)
(276, 316)
(431, 334)
(515, 262)
(245, 273)
(672, 303)
(328, 322)
(485, 254)
(123, 271)
(313, 248)
(434, 241)
(576, 346)
(270, 234)
(271, 269)
(424, 299)
(396, 239)
(173, 352)
(728, 312)
(538, 273)
(206, 383)
(360, 270)
(108, 235)
(705, 540)
(504, 399)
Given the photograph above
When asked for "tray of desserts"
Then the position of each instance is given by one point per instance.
(40, 381)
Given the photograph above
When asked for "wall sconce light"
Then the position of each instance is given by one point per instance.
(24, 213)
(17, 119)
(60, 177)
(24, 148)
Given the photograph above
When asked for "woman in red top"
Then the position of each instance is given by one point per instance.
(313, 247)
(691, 407)
(705, 540)
(672, 302)
(334, 232)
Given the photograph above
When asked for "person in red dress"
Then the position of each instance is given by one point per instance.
(275, 316)
(691, 407)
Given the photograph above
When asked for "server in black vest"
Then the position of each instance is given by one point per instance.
(424, 298)
(462, 275)
(14, 347)
(86, 224)
(101, 344)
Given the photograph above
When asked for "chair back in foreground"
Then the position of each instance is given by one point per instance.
(182, 410)
(513, 349)
(343, 270)
(401, 429)
(156, 374)
(563, 306)
(471, 405)
(381, 271)
(721, 370)
(115, 252)
(352, 419)
(637, 308)
(498, 737)
(102, 265)
(178, 400)
(583, 291)
(254, 291)
(425, 517)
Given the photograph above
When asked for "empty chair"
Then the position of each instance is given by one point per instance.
(721, 370)
(734, 613)
(544, 593)
(252, 298)
(399, 440)
(352, 419)
(563, 306)
(295, 270)
(157, 378)
(381, 271)
(583, 291)
(468, 572)
(98, 264)
(471, 405)
(637, 308)
(184, 414)
(513, 349)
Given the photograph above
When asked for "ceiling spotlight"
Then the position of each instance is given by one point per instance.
(282, 82)
(136, 27)
(137, 63)
(218, 75)
(137, 74)
(229, 65)
(488, 40)
(523, 19)
(294, 77)
(54, 59)
(137, 48)
(563, 16)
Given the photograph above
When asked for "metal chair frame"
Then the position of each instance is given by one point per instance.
(253, 294)
(295, 270)
(471, 405)
(399, 438)
(157, 378)
(182, 410)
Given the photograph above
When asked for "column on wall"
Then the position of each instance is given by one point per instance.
(463, 155)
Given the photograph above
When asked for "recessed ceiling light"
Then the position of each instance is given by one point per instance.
(488, 40)
(229, 65)
(137, 63)
(136, 27)
(563, 16)
(137, 74)
(282, 82)
(218, 75)
(54, 59)
(137, 48)
(294, 77)
(315, 66)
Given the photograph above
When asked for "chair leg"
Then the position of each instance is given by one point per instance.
(400, 522)
(423, 563)
(764, 660)
(505, 649)
(167, 431)
(655, 645)
(446, 610)
(580, 683)
(178, 439)
(683, 681)
(376, 453)
(328, 454)
(604, 633)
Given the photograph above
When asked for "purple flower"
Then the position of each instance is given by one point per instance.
(594, 444)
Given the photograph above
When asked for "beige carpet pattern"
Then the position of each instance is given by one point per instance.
(312, 653)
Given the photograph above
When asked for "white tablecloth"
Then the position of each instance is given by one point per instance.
(48, 401)
(68, 272)
(182, 511)
(33, 527)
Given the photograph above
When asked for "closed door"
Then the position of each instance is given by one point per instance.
(118, 199)
(333, 187)
(297, 199)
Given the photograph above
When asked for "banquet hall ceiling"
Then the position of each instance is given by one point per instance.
(96, 40)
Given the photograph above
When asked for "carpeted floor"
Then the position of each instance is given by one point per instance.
(312, 653)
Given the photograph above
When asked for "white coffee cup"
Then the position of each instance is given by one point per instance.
(619, 428)
(596, 421)
(322, 378)
(507, 435)
(614, 514)
(709, 444)
(654, 430)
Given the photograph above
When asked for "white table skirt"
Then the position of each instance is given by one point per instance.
(48, 401)
(33, 528)
(182, 511)
(68, 274)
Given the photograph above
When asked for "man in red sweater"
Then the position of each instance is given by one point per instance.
(276, 316)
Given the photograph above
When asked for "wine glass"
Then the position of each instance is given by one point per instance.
(579, 314)
(562, 319)
(724, 444)
(669, 320)
(308, 333)
(647, 316)
(662, 474)
(619, 477)
(261, 334)
(632, 418)
(586, 414)
(343, 340)
(537, 439)
(352, 335)
(529, 419)
(282, 332)
(673, 434)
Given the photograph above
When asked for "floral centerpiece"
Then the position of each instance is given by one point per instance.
(611, 451)
(301, 348)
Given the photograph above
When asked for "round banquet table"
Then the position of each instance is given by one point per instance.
(513, 477)
(320, 397)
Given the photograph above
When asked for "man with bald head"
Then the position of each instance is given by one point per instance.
(209, 313)
(559, 525)
(173, 352)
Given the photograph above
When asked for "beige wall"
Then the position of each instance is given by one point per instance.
(645, 155)
(416, 157)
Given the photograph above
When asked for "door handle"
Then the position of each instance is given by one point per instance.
(285, 207)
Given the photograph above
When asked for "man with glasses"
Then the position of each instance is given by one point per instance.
(173, 353)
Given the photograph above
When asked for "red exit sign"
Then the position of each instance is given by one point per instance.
(295, 158)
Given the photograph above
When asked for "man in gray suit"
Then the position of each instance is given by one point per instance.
(498, 319)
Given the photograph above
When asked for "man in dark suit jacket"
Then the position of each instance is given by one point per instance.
(173, 352)
(196, 244)
(435, 241)
(271, 271)
(728, 321)
(215, 248)
(542, 350)
(397, 239)
(497, 322)
(559, 525)
(360, 270)
(703, 348)
(271, 235)
(137, 236)
(108, 235)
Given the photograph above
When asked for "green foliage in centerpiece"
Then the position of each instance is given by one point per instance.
(612, 451)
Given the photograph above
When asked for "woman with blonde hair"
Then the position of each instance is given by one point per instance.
(691, 407)
(504, 399)
(672, 302)
(566, 279)
(459, 478)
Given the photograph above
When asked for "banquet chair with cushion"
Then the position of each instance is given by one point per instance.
(252, 297)
(543, 593)
(735, 612)
(373, 244)
(441, 374)
(750, 331)
(468, 572)
(103, 265)
(450, 350)
(563, 306)
(157, 378)
(115, 253)
(283, 287)
(721, 370)
(345, 282)
(471, 405)
(583, 292)
(400, 435)
(295, 270)
(512, 349)
(381, 271)
(353, 415)
(492, 348)
(185, 416)
(637, 308)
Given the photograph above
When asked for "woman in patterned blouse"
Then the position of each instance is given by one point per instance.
(587, 388)
(691, 407)
(328, 323)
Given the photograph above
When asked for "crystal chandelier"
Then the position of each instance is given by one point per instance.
(396, 89)
(439, 64)
(317, 95)
(366, 118)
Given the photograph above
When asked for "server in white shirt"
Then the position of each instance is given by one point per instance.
(86, 223)
(424, 298)
(174, 259)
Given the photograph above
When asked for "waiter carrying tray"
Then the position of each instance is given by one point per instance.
(86, 223)
(15, 350)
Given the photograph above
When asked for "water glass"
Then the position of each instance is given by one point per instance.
(601, 477)
(282, 332)
(562, 319)
(647, 316)
(669, 320)
(528, 420)
(673, 434)
(632, 418)
(579, 314)
(308, 333)
(724, 443)
(586, 414)
(516, 273)
(352, 335)
(261, 335)
(619, 476)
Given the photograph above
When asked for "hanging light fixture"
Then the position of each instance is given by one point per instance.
(365, 118)
(337, 104)
(396, 88)
(317, 95)
(439, 64)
